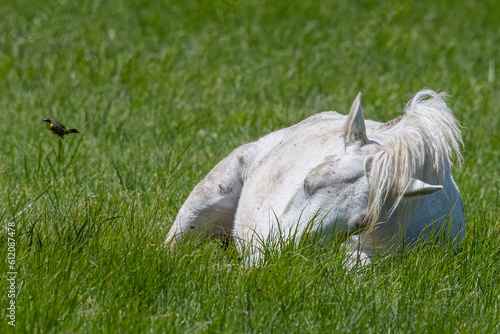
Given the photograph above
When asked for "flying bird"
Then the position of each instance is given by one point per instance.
(57, 128)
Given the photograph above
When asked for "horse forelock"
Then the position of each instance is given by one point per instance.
(423, 148)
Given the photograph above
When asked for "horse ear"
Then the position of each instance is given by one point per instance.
(354, 128)
(420, 188)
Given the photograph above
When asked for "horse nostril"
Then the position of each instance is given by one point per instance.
(356, 224)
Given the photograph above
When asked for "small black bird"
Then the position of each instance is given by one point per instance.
(57, 128)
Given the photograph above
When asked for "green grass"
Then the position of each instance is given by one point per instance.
(160, 92)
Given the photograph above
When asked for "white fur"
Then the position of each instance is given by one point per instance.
(376, 185)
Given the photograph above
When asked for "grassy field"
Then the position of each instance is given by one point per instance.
(160, 92)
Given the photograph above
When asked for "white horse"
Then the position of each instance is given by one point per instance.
(377, 185)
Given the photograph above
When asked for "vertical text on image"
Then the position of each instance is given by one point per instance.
(12, 272)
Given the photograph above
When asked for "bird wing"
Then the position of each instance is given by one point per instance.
(56, 123)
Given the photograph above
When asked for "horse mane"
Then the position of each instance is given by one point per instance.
(424, 141)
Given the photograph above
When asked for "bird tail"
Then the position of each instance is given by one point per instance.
(73, 131)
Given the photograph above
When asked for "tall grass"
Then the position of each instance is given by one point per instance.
(160, 92)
